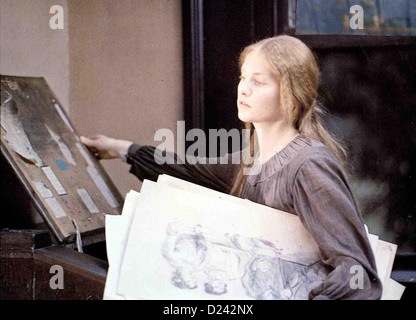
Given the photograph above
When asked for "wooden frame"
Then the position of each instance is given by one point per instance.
(351, 41)
(193, 59)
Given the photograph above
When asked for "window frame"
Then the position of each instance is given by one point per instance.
(334, 41)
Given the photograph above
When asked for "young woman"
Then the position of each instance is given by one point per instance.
(302, 166)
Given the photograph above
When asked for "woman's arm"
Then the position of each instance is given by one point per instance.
(325, 204)
(147, 162)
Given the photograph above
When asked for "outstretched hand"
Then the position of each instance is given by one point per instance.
(104, 147)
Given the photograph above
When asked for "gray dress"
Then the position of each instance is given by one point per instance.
(304, 178)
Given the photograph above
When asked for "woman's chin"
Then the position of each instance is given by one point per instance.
(243, 117)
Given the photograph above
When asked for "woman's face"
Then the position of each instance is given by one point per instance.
(258, 91)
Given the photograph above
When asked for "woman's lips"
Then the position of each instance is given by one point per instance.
(244, 104)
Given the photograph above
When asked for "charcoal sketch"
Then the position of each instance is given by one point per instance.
(201, 257)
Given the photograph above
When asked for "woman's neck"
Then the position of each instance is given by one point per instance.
(273, 137)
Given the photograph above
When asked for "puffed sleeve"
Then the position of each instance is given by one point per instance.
(326, 206)
(203, 171)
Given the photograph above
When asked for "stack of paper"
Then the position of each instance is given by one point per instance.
(178, 240)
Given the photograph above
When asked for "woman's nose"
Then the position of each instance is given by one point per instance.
(245, 90)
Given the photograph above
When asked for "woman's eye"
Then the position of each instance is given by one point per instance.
(256, 82)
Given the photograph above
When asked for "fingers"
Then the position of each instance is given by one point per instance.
(91, 146)
(85, 140)
(97, 137)
(101, 146)
(92, 141)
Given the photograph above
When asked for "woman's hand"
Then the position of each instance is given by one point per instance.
(104, 147)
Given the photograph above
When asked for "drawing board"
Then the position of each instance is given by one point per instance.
(67, 184)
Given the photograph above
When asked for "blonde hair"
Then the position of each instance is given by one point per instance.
(295, 65)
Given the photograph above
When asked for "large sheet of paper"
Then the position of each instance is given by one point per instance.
(392, 290)
(194, 276)
(189, 241)
(116, 231)
(385, 254)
